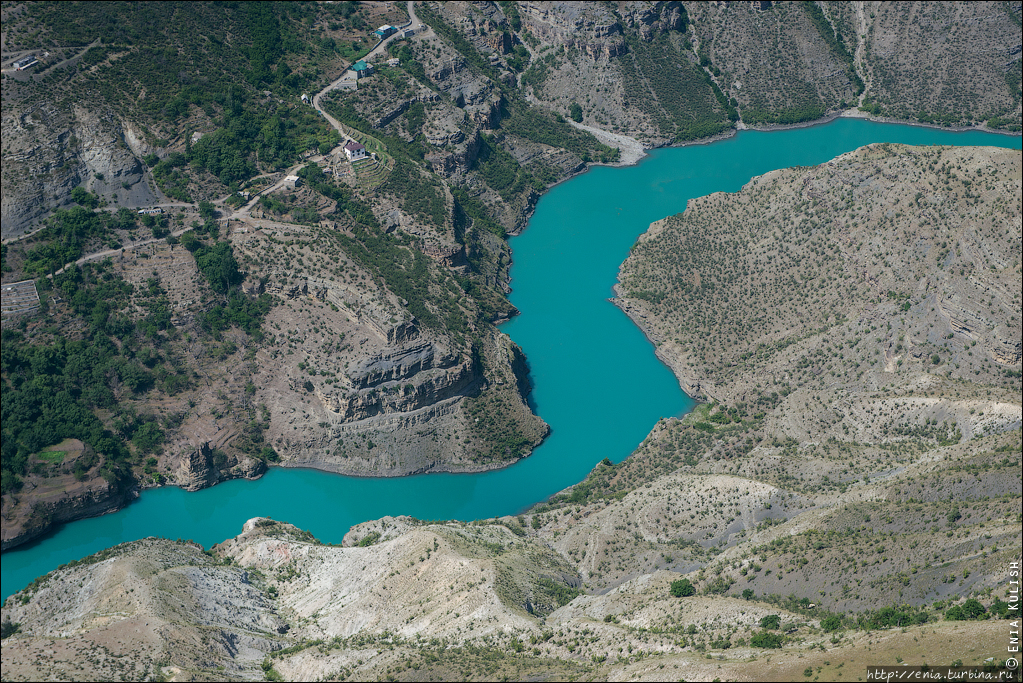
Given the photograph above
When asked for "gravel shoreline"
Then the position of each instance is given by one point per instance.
(632, 150)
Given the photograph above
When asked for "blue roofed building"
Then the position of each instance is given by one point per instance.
(362, 68)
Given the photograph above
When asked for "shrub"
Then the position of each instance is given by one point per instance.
(971, 610)
(80, 196)
(369, 539)
(831, 623)
(8, 629)
(682, 588)
(575, 112)
(766, 639)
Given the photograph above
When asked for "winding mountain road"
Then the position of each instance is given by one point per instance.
(377, 50)
(243, 213)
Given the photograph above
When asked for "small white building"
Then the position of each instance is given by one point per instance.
(292, 181)
(354, 151)
(25, 62)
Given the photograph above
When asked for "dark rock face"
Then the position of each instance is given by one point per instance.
(500, 42)
(199, 469)
(398, 364)
(88, 499)
(50, 151)
(196, 470)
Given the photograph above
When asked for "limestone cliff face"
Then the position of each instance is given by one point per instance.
(354, 383)
(403, 379)
(199, 469)
(49, 150)
(196, 469)
(652, 17)
(74, 500)
(597, 30)
(459, 153)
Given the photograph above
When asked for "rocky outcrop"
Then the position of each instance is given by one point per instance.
(459, 160)
(520, 368)
(402, 381)
(196, 470)
(464, 87)
(399, 364)
(1005, 347)
(402, 107)
(199, 469)
(49, 151)
(651, 18)
(590, 29)
(76, 500)
(443, 138)
(450, 255)
(368, 313)
(500, 42)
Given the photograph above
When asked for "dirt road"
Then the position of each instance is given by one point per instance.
(378, 50)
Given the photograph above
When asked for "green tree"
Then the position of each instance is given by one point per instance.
(971, 610)
(832, 622)
(207, 211)
(683, 588)
(80, 196)
(575, 112)
(218, 266)
(766, 639)
(190, 241)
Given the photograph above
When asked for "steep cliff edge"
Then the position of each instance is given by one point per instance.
(344, 379)
(45, 502)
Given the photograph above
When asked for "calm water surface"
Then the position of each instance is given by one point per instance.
(597, 381)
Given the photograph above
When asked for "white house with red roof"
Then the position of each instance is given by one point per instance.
(353, 150)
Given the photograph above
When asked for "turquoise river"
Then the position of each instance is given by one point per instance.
(597, 381)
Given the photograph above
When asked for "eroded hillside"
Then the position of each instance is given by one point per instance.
(915, 67)
(887, 269)
(310, 309)
(480, 601)
(809, 519)
(666, 72)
